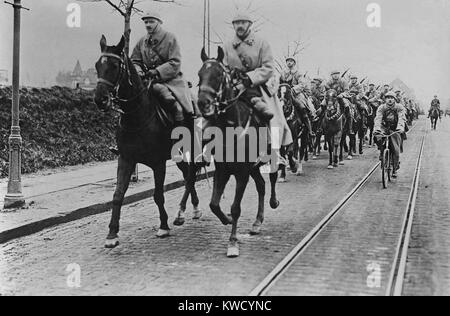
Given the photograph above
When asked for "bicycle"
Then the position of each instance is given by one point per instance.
(387, 159)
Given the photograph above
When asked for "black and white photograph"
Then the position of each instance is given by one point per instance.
(225, 153)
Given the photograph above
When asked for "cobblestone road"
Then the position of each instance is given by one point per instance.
(193, 261)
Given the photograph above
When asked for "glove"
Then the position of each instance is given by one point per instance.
(152, 74)
(246, 81)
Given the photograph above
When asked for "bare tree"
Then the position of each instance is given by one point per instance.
(126, 8)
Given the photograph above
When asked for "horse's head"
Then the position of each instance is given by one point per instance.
(285, 96)
(213, 79)
(331, 101)
(110, 68)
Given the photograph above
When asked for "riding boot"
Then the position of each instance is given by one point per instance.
(307, 122)
(262, 109)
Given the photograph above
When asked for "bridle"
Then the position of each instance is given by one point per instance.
(220, 103)
(291, 115)
(113, 94)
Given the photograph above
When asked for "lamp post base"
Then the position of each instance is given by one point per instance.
(14, 201)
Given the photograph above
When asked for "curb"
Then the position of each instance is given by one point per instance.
(39, 225)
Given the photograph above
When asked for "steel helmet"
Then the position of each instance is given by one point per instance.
(390, 94)
(242, 17)
(152, 15)
(291, 58)
(335, 72)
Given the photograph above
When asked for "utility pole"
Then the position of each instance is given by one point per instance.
(14, 196)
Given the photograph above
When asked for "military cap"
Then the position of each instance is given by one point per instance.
(353, 77)
(371, 84)
(152, 15)
(335, 72)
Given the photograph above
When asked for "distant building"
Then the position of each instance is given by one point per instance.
(3, 77)
(398, 84)
(78, 78)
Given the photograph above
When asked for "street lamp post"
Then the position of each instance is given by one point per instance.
(14, 196)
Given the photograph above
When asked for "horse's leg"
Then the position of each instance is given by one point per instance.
(241, 184)
(221, 177)
(336, 143)
(194, 196)
(282, 179)
(341, 152)
(181, 217)
(124, 170)
(329, 141)
(306, 142)
(351, 148)
(274, 203)
(159, 172)
(261, 189)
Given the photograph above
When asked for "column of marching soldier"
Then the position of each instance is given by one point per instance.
(157, 57)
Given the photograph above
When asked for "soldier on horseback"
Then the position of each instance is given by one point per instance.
(291, 75)
(354, 84)
(157, 57)
(251, 62)
(341, 87)
(435, 106)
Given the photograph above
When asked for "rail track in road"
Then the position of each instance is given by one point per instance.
(397, 273)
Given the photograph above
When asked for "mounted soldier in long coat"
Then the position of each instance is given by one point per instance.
(252, 57)
(157, 56)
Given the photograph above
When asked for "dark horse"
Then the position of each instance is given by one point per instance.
(218, 103)
(141, 136)
(333, 125)
(358, 129)
(434, 116)
(295, 153)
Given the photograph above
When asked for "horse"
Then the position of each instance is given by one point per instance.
(223, 109)
(333, 125)
(142, 137)
(434, 115)
(358, 128)
(294, 152)
(317, 128)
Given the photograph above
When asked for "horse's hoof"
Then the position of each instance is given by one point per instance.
(233, 250)
(341, 162)
(335, 165)
(274, 204)
(349, 157)
(256, 230)
(198, 213)
(282, 180)
(361, 152)
(314, 157)
(179, 221)
(330, 167)
(162, 233)
(112, 243)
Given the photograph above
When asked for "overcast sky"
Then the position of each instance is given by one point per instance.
(412, 44)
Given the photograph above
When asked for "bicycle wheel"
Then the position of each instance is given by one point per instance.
(385, 165)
